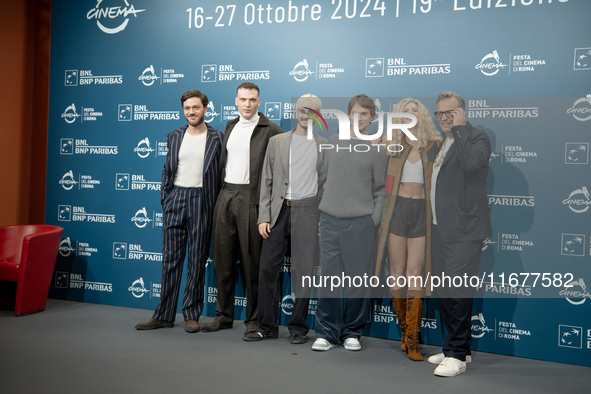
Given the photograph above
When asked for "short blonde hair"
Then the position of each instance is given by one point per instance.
(310, 101)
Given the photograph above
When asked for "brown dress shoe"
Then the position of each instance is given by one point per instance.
(215, 326)
(154, 324)
(192, 326)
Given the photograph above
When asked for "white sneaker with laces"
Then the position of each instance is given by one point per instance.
(352, 344)
(450, 367)
(438, 358)
(322, 345)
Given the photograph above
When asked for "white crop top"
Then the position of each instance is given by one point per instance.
(412, 172)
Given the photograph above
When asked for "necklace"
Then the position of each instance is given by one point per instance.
(442, 153)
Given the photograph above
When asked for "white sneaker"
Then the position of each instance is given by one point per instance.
(438, 358)
(322, 345)
(450, 367)
(352, 344)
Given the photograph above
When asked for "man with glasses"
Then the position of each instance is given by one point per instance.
(461, 222)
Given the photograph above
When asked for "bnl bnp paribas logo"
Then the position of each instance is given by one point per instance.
(572, 336)
(573, 245)
(576, 153)
(273, 110)
(112, 19)
(129, 112)
(226, 72)
(86, 77)
(374, 67)
(582, 59)
(490, 64)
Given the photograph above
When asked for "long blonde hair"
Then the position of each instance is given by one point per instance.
(426, 132)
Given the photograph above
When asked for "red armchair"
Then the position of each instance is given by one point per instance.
(27, 256)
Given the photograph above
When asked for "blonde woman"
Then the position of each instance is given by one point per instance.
(405, 236)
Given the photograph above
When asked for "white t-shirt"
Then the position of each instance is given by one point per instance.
(189, 169)
(436, 167)
(303, 177)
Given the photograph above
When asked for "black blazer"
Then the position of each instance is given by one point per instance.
(461, 203)
(259, 140)
(210, 167)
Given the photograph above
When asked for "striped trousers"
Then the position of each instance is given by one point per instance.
(184, 225)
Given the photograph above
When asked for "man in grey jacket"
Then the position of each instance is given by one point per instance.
(288, 211)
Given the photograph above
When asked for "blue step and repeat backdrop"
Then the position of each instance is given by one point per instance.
(118, 69)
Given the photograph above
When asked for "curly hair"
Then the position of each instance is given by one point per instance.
(426, 132)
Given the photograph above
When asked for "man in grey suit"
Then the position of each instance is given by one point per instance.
(461, 221)
(288, 210)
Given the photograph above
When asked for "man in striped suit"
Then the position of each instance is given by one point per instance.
(188, 194)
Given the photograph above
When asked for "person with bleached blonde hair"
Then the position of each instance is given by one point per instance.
(404, 248)
(288, 215)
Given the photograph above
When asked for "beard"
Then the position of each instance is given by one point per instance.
(197, 122)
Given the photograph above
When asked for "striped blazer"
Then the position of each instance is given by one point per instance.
(211, 186)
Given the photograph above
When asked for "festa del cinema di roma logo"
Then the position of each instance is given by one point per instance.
(112, 16)
(578, 198)
(490, 64)
(581, 109)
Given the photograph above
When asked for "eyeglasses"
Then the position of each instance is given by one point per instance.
(439, 114)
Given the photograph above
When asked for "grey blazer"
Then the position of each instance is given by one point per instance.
(275, 176)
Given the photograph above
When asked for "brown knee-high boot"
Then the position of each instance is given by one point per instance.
(414, 315)
(399, 302)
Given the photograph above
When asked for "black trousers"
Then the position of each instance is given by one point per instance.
(298, 225)
(454, 259)
(235, 229)
(184, 223)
